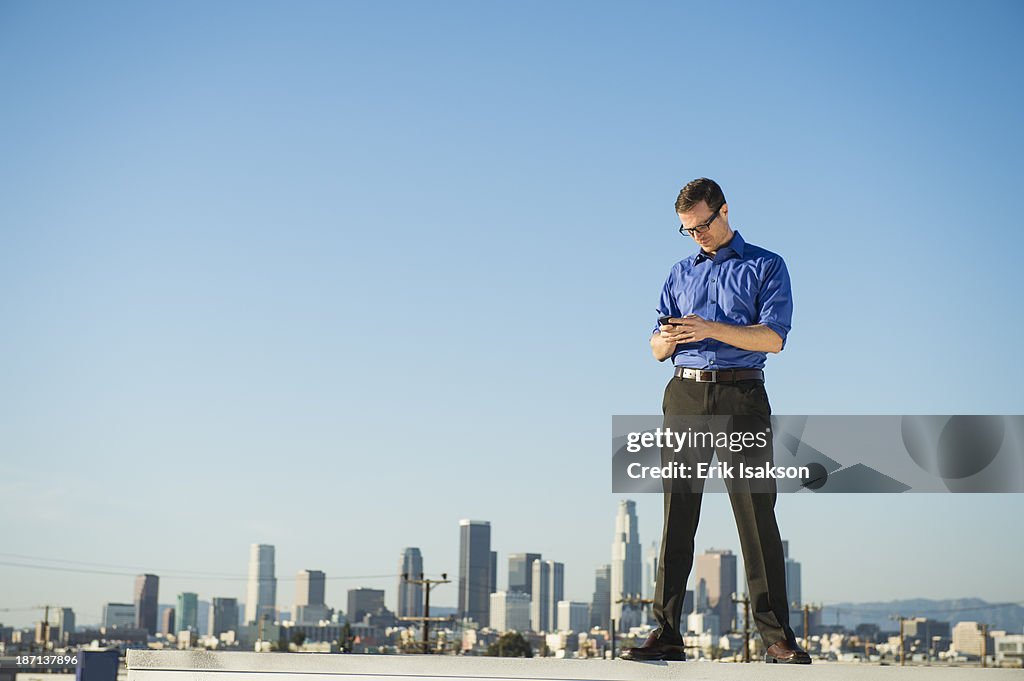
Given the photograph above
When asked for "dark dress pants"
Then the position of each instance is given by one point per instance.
(753, 506)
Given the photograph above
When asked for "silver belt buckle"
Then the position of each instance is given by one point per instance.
(699, 376)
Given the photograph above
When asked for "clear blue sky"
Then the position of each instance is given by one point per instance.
(333, 276)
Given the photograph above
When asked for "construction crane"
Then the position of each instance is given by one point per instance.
(45, 622)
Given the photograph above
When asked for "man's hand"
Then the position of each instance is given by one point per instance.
(693, 329)
(671, 333)
(688, 329)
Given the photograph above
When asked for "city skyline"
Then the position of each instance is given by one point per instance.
(208, 251)
(715, 575)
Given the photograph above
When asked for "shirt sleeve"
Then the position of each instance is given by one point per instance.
(775, 300)
(667, 302)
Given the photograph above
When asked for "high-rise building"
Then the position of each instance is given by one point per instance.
(925, 630)
(548, 590)
(650, 570)
(223, 616)
(203, 617)
(188, 612)
(363, 601)
(510, 611)
(410, 596)
(146, 588)
(541, 596)
(651, 557)
(310, 587)
(572, 616)
(167, 623)
(700, 601)
(601, 604)
(493, 574)
(310, 607)
(627, 566)
(969, 639)
(717, 569)
(261, 595)
(796, 618)
(792, 579)
(520, 572)
(45, 633)
(705, 622)
(65, 624)
(120, 615)
(474, 570)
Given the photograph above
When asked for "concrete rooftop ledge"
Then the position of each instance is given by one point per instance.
(203, 665)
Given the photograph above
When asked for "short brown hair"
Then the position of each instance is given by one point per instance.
(701, 189)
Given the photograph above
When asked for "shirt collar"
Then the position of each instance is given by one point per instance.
(735, 247)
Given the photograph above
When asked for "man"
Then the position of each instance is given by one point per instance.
(721, 311)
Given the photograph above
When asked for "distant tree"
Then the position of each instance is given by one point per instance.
(510, 644)
(298, 638)
(345, 639)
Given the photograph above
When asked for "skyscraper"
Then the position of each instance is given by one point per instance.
(310, 607)
(146, 588)
(363, 601)
(309, 587)
(717, 568)
(540, 597)
(167, 623)
(223, 616)
(119, 615)
(700, 601)
(520, 572)
(572, 616)
(548, 590)
(650, 577)
(65, 624)
(261, 595)
(792, 578)
(510, 611)
(687, 602)
(627, 566)
(650, 569)
(601, 605)
(493, 573)
(188, 612)
(203, 617)
(475, 570)
(410, 596)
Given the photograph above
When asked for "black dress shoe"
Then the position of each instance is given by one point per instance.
(654, 650)
(786, 652)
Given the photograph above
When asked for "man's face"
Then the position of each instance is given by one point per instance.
(718, 234)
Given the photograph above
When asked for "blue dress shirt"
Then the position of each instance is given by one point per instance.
(741, 284)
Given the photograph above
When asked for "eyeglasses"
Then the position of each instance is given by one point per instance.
(702, 227)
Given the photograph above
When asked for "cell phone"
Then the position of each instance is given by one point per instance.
(663, 320)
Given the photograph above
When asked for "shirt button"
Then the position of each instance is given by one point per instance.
(712, 362)
(712, 280)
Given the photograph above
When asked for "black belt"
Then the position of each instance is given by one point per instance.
(720, 375)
